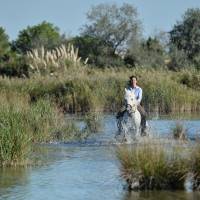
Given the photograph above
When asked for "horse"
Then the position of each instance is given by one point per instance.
(129, 124)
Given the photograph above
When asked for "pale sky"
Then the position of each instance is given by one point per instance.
(70, 16)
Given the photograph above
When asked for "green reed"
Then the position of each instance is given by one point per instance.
(86, 89)
(23, 124)
(149, 166)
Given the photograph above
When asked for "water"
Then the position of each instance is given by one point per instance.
(84, 171)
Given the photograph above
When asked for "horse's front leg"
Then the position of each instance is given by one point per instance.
(137, 124)
(137, 131)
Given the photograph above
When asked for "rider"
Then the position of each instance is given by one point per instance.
(133, 87)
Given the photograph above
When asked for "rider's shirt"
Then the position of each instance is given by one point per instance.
(138, 93)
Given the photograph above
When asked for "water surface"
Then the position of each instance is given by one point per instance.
(84, 171)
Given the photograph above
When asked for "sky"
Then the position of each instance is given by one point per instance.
(70, 15)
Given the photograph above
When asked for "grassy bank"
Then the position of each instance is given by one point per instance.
(84, 89)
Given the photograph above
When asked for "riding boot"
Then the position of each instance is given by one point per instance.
(143, 120)
(121, 112)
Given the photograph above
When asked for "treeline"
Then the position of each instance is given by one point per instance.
(112, 37)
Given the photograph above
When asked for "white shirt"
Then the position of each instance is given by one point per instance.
(138, 93)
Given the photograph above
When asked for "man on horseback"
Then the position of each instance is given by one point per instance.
(133, 87)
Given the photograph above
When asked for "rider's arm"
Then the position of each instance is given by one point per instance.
(139, 97)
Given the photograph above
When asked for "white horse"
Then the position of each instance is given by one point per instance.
(129, 123)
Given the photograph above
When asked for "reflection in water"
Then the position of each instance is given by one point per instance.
(162, 195)
(10, 178)
(48, 154)
(175, 116)
(82, 171)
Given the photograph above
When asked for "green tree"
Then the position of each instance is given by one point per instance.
(112, 24)
(44, 34)
(153, 45)
(178, 59)
(11, 64)
(185, 35)
(4, 43)
(89, 47)
(96, 50)
(148, 53)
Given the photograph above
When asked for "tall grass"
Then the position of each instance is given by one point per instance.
(15, 136)
(14, 132)
(195, 166)
(93, 122)
(23, 124)
(49, 123)
(45, 62)
(150, 166)
(179, 131)
(189, 78)
(86, 89)
(165, 94)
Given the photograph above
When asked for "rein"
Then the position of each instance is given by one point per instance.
(130, 109)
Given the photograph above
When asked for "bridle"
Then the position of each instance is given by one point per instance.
(131, 109)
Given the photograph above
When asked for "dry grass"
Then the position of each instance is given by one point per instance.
(51, 62)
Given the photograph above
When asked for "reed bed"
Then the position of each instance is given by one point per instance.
(104, 89)
(195, 166)
(50, 62)
(22, 124)
(179, 131)
(93, 122)
(150, 166)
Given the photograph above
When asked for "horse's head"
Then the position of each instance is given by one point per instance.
(130, 101)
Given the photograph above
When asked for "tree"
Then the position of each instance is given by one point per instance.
(178, 59)
(112, 24)
(96, 50)
(185, 35)
(89, 47)
(4, 43)
(44, 34)
(153, 45)
(10, 63)
(149, 52)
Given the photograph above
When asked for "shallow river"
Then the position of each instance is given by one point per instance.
(84, 171)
